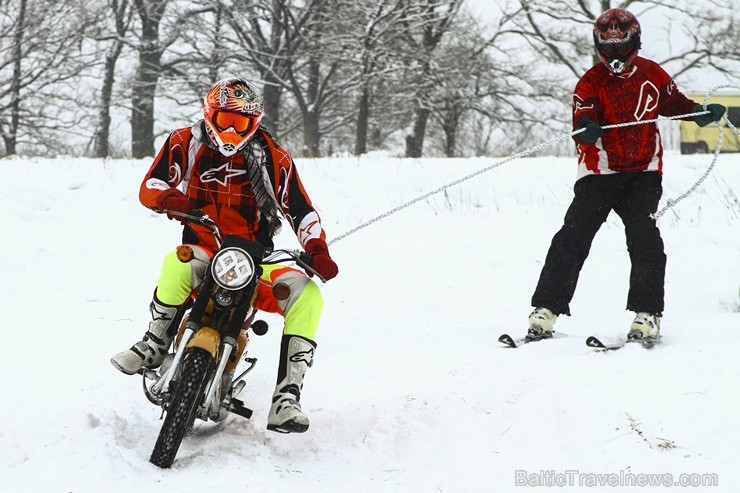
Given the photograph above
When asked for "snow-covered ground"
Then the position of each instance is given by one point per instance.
(410, 390)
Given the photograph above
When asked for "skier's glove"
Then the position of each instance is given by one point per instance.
(715, 113)
(592, 133)
(321, 262)
(173, 199)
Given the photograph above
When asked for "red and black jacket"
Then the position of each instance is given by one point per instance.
(220, 186)
(643, 93)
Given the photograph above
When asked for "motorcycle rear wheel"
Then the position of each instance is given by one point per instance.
(181, 410)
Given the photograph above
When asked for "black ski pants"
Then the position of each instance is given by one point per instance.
(633, 196)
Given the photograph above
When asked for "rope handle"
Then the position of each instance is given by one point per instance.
(671, 203)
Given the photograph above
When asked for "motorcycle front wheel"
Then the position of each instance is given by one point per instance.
(181, 410)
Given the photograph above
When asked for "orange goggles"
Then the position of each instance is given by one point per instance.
(242, 124)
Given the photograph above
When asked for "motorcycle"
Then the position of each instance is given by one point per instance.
(197, 380)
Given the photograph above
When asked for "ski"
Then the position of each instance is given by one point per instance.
(595, 343)
(509, 341)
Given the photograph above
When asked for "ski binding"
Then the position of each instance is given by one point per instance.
(515, 343)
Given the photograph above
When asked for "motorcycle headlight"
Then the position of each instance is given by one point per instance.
(232, 268)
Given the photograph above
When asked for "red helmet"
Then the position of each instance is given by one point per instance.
(232, 111)
(617, 39)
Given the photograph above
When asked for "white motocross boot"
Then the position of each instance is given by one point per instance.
(645, 326)
(151, 350)
(296, 356)
(541, 321)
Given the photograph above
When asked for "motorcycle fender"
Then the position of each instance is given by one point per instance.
(206, 338)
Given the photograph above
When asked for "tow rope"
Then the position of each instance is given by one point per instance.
(670, 203)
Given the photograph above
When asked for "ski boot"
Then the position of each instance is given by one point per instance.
(541, 321)
(645, 327)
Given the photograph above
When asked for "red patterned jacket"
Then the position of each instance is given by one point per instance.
(220, 187)
(643, 93)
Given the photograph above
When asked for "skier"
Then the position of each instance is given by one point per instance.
(619, 169)
(234, 171)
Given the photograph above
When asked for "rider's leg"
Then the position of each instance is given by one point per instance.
(176, 281)
(291, 293)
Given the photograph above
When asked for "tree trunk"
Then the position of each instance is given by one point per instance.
(450, 141)
(272, 93)
(376, 138)
(363, 115)
(102, 139)
(10, 138)
(311, 137)
(214, 67)
(415, 141)
(142, 114)
(273, 90)
(450, 127)
(147, 76)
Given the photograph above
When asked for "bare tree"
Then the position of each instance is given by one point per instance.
(150, 50)
(38, 55)
(9, 128)
(710, 31)
(151, 47)
(304, 55)
(202, 53)
(378, 38)
(432, 24)
(476, 80)
(119, 12)
(268, 31)
(354, 76)
(560, 31)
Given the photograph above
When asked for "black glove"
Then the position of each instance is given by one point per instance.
(592, 133)
(715, 113)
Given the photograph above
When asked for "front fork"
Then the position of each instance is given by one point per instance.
(227, 364)
(211, 405)
(207, 339)
(163, 383)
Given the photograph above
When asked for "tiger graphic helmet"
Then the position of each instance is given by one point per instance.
(232, 112)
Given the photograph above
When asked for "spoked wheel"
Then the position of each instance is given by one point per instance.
(181, 410)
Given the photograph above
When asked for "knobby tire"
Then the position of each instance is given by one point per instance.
(181, 411)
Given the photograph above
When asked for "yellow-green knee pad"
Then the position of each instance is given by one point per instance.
(302, 318)
(175, 281)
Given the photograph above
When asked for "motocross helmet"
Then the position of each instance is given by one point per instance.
(617, 39)
(232, 111)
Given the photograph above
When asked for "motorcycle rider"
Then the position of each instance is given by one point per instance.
(234, 171)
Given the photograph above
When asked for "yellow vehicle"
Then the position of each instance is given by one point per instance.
(695, 139)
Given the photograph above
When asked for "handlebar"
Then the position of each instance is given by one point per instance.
(301, 258)
(197, 216)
